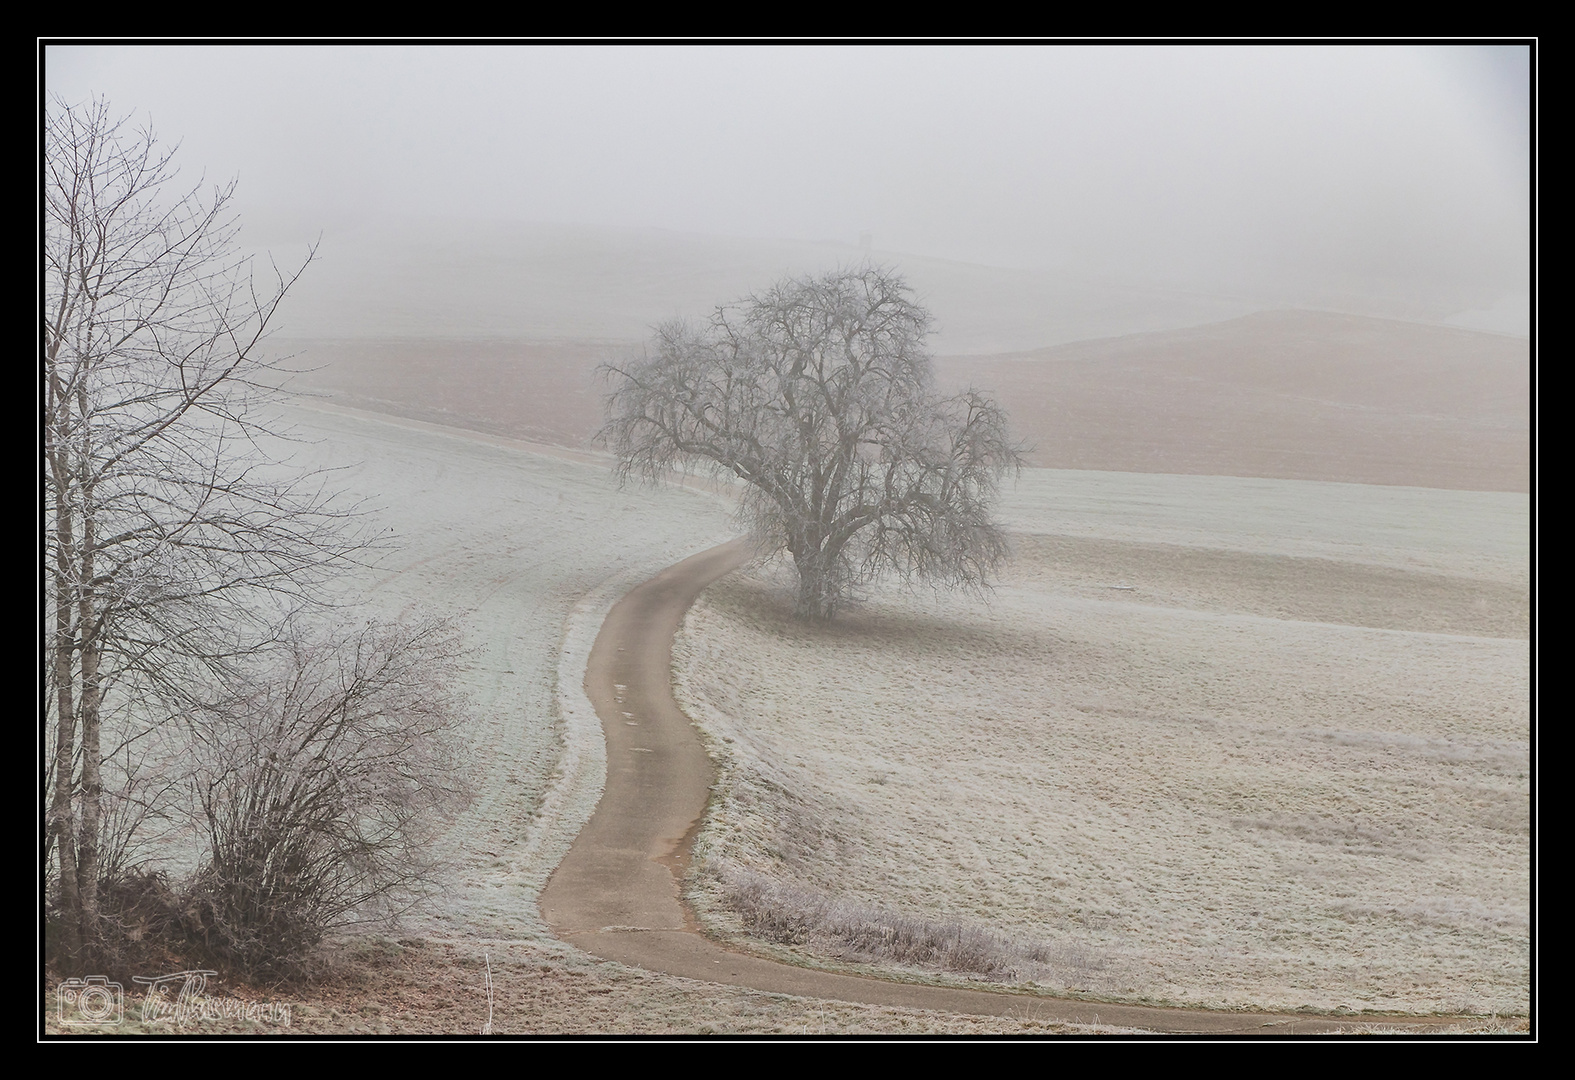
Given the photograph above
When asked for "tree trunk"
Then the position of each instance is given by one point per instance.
(62, 819)
(64, 574)
(817, 598)
(90, 626)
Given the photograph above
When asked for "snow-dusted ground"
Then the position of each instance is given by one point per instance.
(1470, 533)
(529, 551)
(1213, 740)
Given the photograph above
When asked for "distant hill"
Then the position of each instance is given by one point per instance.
(500, 326)
(1290, 394)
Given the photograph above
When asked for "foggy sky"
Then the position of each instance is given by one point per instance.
(1207, 166)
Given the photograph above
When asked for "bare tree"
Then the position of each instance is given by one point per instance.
(818, 394)
(172, 544)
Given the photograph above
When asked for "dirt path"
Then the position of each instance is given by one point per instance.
(617, 893)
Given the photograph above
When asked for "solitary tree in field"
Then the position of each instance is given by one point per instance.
(818, 394)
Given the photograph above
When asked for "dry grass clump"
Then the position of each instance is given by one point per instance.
(866, 933)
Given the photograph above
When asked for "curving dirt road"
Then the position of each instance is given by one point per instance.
(617, 894)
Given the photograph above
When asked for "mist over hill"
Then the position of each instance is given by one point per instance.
(466, 279)
(501, 326)
(463, 279)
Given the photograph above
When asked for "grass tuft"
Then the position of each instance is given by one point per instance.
(791, 914)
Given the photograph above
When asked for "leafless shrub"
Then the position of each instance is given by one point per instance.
(322, 779)
(147, 924)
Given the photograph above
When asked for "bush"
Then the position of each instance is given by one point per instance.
(146, 924)
(322, 779)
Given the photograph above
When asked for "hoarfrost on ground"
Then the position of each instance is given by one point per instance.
(529, 551)
(1151, 780)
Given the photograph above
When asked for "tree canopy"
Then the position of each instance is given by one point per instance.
(819, 394)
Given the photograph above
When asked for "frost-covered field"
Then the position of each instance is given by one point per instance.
(528, 551)
(1216, 741)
